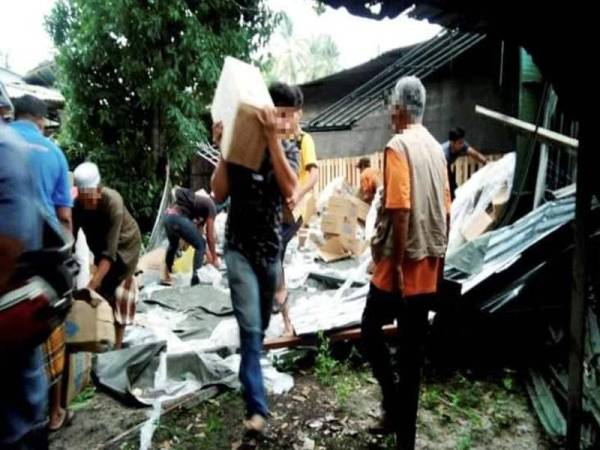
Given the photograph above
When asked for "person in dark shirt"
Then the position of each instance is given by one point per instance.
(189, 214)
(454, 148)
(114, 238)
(253, 239)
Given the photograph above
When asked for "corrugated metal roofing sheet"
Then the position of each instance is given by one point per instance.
(421, 61)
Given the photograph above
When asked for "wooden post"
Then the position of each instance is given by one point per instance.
(585, 168)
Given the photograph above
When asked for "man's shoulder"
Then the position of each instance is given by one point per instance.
(111, 196)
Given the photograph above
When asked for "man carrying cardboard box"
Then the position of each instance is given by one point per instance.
(408, 251)
(115, 240)
(253, 240)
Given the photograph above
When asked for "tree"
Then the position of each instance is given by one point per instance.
(298, 60)
(138, 76)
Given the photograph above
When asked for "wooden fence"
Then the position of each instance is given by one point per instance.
(329, 169)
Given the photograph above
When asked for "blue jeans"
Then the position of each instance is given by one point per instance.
(252, 292)
(180, 227)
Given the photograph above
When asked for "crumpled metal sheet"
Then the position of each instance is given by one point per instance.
(505, 245)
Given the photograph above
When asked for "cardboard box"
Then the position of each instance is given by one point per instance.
(336, 224)
(90, 324)
(78, 374)
(499, 202)
(333, 250)
(361, 208)
(476, 225)
(241, 92)
(341, 205)
(353, 245)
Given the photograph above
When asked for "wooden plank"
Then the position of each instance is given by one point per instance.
(583, 202)
(350, 334)
(543, 134)
(329, 169)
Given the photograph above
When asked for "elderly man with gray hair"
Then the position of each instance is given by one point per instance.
(408, 251)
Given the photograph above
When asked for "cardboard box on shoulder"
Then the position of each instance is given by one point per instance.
(241, 92)
(89, 325)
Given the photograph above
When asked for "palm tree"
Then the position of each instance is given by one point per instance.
(296, 60)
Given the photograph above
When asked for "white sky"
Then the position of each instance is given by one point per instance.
(23, 36)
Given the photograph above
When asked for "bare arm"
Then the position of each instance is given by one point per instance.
(219, 182)
(65, 218)
(211, 237)
(400, 228)
(313, 177)
(472, 153)
(101, 271)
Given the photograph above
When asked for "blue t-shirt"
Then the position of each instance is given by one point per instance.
(48, 166)
(453, 156)
(23, 383)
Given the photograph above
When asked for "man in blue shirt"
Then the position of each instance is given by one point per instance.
(23, 384)
(48, 167)
(47, 162)
(454, 148)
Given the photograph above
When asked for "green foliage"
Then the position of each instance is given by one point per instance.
(298, 60)
(138, 78)
(83, 398)
(326, 366)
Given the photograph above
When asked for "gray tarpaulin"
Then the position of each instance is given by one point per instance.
(136, 372)
(186, 299)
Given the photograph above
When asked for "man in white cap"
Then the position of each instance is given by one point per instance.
(114, 238)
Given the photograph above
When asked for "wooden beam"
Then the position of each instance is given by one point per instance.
(543, 134)
(583, 202)
(349, 334)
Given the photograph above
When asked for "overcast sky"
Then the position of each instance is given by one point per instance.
(23, 36)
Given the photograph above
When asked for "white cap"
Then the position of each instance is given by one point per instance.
(86, 176)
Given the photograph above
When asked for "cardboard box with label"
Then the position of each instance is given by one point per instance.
(241, 93)
(90, 323)
(78, 374)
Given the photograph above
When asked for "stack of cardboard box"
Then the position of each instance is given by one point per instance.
(339, 223)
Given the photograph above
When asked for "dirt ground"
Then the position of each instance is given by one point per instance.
(329, 408)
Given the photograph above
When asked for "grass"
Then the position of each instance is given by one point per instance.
(340, 375)
(83, 398)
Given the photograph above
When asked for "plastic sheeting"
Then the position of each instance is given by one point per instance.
(477, 193)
